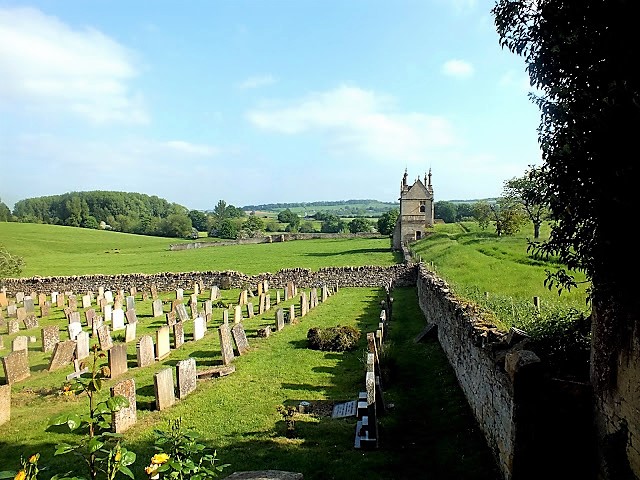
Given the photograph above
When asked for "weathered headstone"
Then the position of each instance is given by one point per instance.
(145, 351)
(16, 366)
(237, 314)
(226, 344)
(292, 315)
(249, 310)
(178, 334)
(21, 314)
(199, 328)
(5, 403)
(117, 319)
(118, 360)
(86, 301)
(304, 306)
(21, 342)
(29, 305)
(164, 389)
(108, 296)
(207, 307)
(104, 337)
(279, 319)
(4, 301)
(73, 302)
(225, 316)
(13, 326)
(171, 318)
(30, 321)
(50, 336)
(263, 303)
(82, 346)
(264, 332)
(20, 297)
(277, 297)
(130, 332)
(154, 291)
(126, 417)
(89, 315)
(74, 328)
(240, 337)
(97, 323)
(215, 293)
(181, 312)
(12, 310)
(163, 346)
(60, 301)
(156, 307)
(73, 317)
(186, 377)
(194, 310)
(130, 303)
(107, 312)
(45, 309)
(179, 294)
(267, 302)
(131, 316)
(63, 354)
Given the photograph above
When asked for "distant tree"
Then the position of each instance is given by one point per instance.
(235, 212)
(464, 211)
(360, 225)
(253, 225)
(530, 191)
(198, 220)
(226, 229)
(482, 213)
(387, 221)
(175, 225)
(446, 211)
(220, 210)
(5, 212)
(507, 215)
(272, 226)
(307, 227)
(10, 265)
(333, 224)
(287, 216)
(90, 222)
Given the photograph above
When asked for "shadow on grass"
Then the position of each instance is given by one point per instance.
(347, 252)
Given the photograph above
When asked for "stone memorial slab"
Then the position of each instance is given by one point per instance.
(118, 360)
(117, 319)
(16, 366)
(193, 299)
(5, 403)
(292, 315)
(63, 354)
(145, 296)
(163, 346)
(179, 294)
(225, 316)
(304, 304)
(131, 316)
(181, 312)
(145, 351)
(107, 312)
(101, 291)
(126, 417)
(74, 317)
(277, 297)
(104, 337)
(20, 297)
(130, 332)
(240, 337)
(171, 319)
(215, 293)
(30, 321)
(199, 328)
(29, 305)
(207, 307)
(45, 309)
(97, 323)
(156, 307)
(178, 334)
(264, 332)
(164, 389)
(21, 342)
(74, 328)
(267, 302)
(82, 346)
(89, 315)
(3, 300)
(73, 302)
(86, 301)
(346, 409)
(108, 296)
(13, 326)
(194, 310)
(279, 319)
(130, 303)
(60, 300)
(263, 303)
(186, 377)
(249, 310)
(50, 336)
(237, 314)
(21, 314)
(12, 310)
(154, 291)
(226, 344)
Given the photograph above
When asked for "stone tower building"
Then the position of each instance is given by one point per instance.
(416, 211)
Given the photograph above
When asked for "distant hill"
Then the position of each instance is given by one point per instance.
(344, 208)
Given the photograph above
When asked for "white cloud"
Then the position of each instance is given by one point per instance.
(457, 68)
(257, 81)
(47, 66)
(357, 122)
(192, 148)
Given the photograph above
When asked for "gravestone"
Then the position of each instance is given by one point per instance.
(4, 302)
(30, 321)
(16, 366)
(13, 326)
(45, 309)
(97, 323)
(21, 342)
(249, 310)
(225, 316)
(107, 312)
(240, 337)
(171, 318)
(181, 312)
(74, 329)
(199, 328)
(279, 319)
(263, 303)
(89, 315)
(60, 300)
(73, 316)
(194, 310)
(21, 314)
(154, 291)
(186, 377)
(145, 351)
(156, 307)
(50, 336)
(178, 334)
(164, 389)
(5, 403)
(277, 297)
(118, 360)
(267, 302)
(104, 337)
(237, 314)
(179, 294)
(292, 315)
(29, 305)
(12, 310)
(215, 293)
(313, 302)
(304, 306)
(131, 316)
(101, 291)
(82, 346)
(264, 332)
(86, 301)
(208, 308)
(127, 416)
(130, 332)
(73, 302)
(226, 344)
(63, 354)
(117, 319)
(54, 297)
(108, 296)
(163, 347)
(130, 303)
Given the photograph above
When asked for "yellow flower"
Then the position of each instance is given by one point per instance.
(21, 475)
(34, 458)
(160, 458)
(151, 469)
(118, 456)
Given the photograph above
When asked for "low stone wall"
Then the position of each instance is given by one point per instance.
(284, 237)
(365, 276)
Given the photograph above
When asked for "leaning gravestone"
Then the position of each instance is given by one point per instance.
(127, 416)
(89, 315)
(5, 403)
(62, 355)
(82, 345)
(186, 377)
(164, 389)
(50, 336)
(97, 323)
(131, 316)
(249, 310)
(156, 307)
(199, 328)
(30, 321)
(145, 351)
(163, 347)
(104, 337)
(226, 344)
(181, 311)
(74, 317)
(178, 334)
(240, 338)
(118, 360)
(16, 366)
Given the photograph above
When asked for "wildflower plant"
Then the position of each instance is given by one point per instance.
(28, 471)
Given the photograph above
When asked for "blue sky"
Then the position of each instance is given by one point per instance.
(256, 101)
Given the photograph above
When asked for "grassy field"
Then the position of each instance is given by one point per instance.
(55, 250)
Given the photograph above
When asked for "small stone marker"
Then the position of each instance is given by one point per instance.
(304, 306)
(60, 300)
(45, 309)
(16, 366)
(347, 409)
(4, 302)
(215, 293)
(97, 323)
(5, 403)
(226, 344)
(225, 316)
(279, 319)
(12, 310)
(292, 315)
(117, 319)
(21, 342)
(199, 328)
(240, 337)
(264, 332)
(29, 305)
(108, 309)
(163, 347)
(130, 332)
(89, 315)
(145, 351)
(179, 294)
(63, 354)
(186, 377)
(104, 337)
(178, 334)
(118, 360)
(82, 346)
(21, 314)
(164, 389)
(154, 291)
(125, 417)
(50, 336)
(156, 307)
(215, 372)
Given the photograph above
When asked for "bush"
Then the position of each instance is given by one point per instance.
(333, 339)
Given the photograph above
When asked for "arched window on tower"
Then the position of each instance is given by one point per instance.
(423, 206)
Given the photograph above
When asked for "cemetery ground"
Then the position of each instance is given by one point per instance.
(429, 433)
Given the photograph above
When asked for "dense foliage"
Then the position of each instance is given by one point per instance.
(333, 339)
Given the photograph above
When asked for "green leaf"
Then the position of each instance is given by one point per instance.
(59, 419)
(95, 444)
(7, 474)
(128, 457)
(63, 448)
(73, 421)
(126, 471)
(101, 409)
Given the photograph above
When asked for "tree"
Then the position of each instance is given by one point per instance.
(446, 211)
(332, 224)
(175, 225)
(226, 229)
(507, 215)
(253, 225)
(198, 220)
(220, 210)
(5, 213)
(531, 192)
(464, 211)
(387, 221)
(359, 225)
(578, 55)
(287, 216)
(10, 265)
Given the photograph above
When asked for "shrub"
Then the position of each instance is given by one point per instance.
(333, 339)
